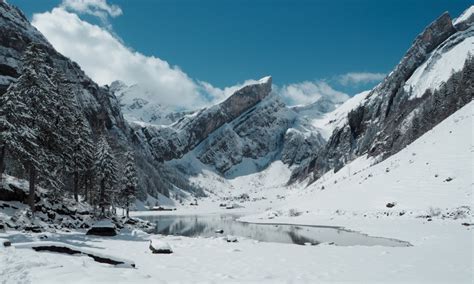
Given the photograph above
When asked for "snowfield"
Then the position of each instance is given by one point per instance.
(429, 184)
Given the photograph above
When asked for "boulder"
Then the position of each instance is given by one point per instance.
(159, 246)
(5, 242)
(231, 239)
(390, 204)
(103, 228)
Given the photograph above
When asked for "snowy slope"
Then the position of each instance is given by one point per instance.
(435, 171)
(442, 63)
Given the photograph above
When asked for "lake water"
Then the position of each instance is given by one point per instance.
(207, 225)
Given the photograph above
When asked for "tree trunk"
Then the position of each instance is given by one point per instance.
(76, 186)
(128, 210)
(102, 196)
(31, 195)
(2, 164)
(86, 190)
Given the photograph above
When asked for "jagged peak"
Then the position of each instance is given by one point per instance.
(465, 20)
(265, 80)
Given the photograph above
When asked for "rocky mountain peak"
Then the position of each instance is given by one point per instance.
(465, 20)
(247, 96)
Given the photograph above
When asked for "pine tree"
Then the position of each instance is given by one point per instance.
(106, 170)
(82, 150)
(129, 183)
(24, 116)
(72, 127)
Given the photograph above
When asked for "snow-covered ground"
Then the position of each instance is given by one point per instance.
(429, 184)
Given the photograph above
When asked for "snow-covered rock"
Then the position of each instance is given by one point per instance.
(446, 59)
(159, 246)
(465, 20)
(231, 239)
(5, 242)
(103, 228)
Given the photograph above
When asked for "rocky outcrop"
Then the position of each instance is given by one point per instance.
(171, 142)
(263, 134)
(390, 118)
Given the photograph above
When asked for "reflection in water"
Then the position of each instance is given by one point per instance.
(207, 225)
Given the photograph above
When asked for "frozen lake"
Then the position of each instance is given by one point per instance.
(209, 225)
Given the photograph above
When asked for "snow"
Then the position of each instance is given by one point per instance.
(464, 16)
(443, 61)
(264, 80)
(337, 118)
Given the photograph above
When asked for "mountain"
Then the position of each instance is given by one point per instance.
(432, 81)
(98, 105)
(252, 128)
(140, 105)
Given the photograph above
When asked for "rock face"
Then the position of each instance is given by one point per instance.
(390, 117)
(174, 141)
(252, 127)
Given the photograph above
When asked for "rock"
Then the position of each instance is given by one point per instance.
(33, 229)
(102, 228)
(390, 204)
(159, 246)
(5, 242)
(231, 239)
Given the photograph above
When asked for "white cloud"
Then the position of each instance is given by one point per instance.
(359, 78)
(308, 92)
(99, 8)
(105, 59)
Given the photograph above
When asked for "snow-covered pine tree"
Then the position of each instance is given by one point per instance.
(82, 151)
(24, 119)
(106, 170)
(129, 183)
(72, 126)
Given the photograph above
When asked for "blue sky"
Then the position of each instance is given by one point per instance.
(225, 42)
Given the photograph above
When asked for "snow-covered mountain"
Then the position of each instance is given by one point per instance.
(251, 129)
(432, 81)
(97, 104)
(140, 105)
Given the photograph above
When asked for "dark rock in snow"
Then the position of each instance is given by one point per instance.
(390, 204)
(103, 228)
